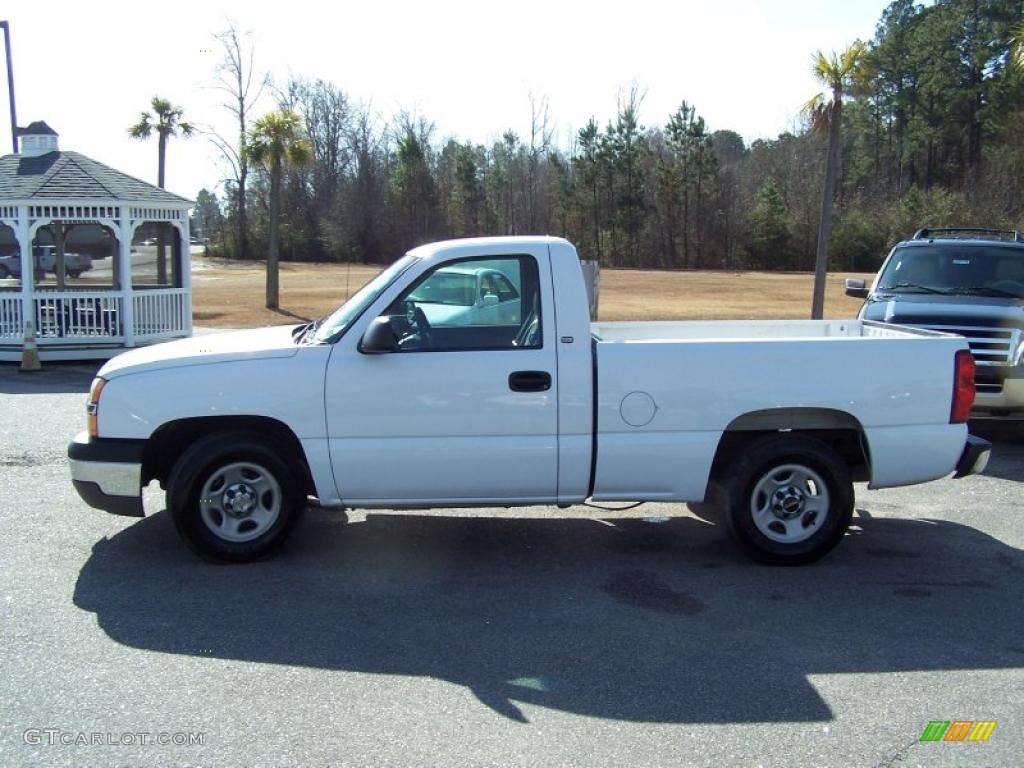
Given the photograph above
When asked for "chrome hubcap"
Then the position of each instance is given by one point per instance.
(789, 503)
(238, 500)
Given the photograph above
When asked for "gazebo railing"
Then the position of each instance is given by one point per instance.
(12, 326)
(159, 312)
(78, 316)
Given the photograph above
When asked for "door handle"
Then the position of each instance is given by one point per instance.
(529, 381)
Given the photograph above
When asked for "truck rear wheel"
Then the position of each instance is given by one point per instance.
(232, 498)
(789, 499)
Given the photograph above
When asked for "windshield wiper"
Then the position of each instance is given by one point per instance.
(313, 328)
(304, 332)
(985, 290)
(913, 287)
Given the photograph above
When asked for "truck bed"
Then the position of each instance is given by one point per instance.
(749, 330)
(667, 391)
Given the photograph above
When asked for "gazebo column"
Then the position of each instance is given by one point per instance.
(28, 277)
(186, 277)
(124, 263)
(57, 227)
(115, 258)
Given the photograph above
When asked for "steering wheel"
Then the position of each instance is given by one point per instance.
(418, 324)
(422, 324)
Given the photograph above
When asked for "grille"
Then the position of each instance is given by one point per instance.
(990, 346)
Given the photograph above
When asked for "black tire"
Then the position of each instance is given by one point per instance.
(75, 272)
(207, 461)
(791, 464)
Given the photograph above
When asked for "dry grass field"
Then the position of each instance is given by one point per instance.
(229, 294)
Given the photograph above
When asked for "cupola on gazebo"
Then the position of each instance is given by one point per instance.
(95, 259)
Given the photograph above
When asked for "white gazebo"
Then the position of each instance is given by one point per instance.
(95, 259)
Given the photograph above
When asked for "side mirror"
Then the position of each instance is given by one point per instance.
(488, 300)
(856, 288)
(380, 337)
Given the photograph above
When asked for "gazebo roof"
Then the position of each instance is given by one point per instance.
(73, 176)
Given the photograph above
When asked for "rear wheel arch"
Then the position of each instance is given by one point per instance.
(836, 429)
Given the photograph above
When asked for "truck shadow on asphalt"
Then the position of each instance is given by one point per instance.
(623, 619)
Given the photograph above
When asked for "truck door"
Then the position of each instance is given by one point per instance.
(463, 411)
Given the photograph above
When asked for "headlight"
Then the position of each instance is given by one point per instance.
(93, 406)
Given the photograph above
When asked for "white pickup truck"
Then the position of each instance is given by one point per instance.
(377, 406)
(46, 261)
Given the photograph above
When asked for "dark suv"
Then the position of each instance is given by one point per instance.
(964, 281)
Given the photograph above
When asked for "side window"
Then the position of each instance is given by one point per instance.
(472, 304)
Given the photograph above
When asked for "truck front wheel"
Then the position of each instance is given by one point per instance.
(789, 499)
(232, 498)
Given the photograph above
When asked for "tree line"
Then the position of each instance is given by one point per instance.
(930, 136)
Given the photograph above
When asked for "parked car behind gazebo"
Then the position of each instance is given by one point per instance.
(62, 203)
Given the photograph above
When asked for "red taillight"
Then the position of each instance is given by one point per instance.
(963, 387)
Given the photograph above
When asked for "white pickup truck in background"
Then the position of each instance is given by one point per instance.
(45, 257)
(378, 405)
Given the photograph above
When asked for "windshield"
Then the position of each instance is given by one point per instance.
(361, 299)
(956, 269)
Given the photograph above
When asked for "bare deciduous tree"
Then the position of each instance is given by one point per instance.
(237, 79)
(541, 132)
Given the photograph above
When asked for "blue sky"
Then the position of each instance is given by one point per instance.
(470, 67)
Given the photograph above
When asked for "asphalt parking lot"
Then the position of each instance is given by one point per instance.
(525, 637)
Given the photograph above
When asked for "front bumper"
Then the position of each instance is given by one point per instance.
(108, 473)
(974, 459)
(1000, 394)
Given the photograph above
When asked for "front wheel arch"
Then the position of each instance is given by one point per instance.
(167, 444)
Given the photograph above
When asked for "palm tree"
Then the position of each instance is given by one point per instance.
(825, 110)
(275, 141)
(166, 121)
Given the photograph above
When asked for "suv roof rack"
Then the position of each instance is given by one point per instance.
(954, 233)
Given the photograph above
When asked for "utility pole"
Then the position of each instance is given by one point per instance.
(10, 85)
